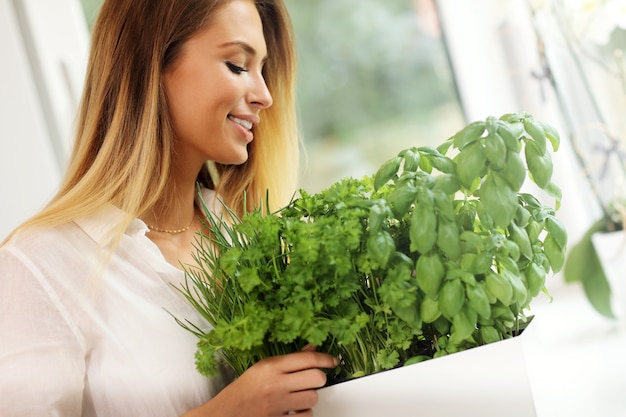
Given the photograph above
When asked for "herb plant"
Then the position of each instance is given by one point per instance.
(432, 255)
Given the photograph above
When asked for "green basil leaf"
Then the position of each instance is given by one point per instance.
(539, 164)
(380, 247)
(467, 216)
(451, 298)
(520, 237)
(472, 240)
(447, 183)
(448, 238)
(401, 198)
(469, 134)
(470, 164)
(557, 231)
(500, 287)
(429, 272)
(445, 210)
(534, 229)
(537, 134)
(489, 334)
(429, 310)
(520, 292)
(378, 215)
(442, 325)
(511, 249)
(437, 160)
(498, 199)
(411, 160)
(496, 151)
(522, 216)
(553, 190)
(463, 325)
(482, 263)
(552, 135)
(423, 228)
(502, 312)
(478, 300)
(510, 137)
(445, 146)
(386, 172)
(514, 171)
(536, 278)
(554, 252)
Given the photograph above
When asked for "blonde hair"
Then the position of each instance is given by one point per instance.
(123, 148)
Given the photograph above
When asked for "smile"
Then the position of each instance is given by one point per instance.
(244, 123)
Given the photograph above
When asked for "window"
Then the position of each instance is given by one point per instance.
(90, 8)
(374, 78)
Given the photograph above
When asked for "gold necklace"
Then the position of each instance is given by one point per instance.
(170, 231)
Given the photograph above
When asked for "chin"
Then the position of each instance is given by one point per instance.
(237, 160)
(232, 156)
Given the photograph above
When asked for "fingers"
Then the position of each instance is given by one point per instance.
(275, 385)
(306, 359)
(301, 413)
(301, 401)
(305, 380)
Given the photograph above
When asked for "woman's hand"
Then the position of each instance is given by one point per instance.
(276, 386)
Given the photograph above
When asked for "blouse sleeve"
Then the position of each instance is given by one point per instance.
(42, 365)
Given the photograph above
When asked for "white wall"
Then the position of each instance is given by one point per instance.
(43, 47)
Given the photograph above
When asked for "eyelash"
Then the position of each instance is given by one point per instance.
(235, 69)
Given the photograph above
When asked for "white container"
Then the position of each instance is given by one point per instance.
(486, 381)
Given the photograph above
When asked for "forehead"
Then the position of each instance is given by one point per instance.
(235, 21)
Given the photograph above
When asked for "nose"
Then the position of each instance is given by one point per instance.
(260, 96)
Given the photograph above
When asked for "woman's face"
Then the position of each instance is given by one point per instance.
(215, 89)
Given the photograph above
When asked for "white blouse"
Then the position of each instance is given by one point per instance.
(77, 340)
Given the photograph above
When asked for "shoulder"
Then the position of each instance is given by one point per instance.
(42, 252)
(45, 243)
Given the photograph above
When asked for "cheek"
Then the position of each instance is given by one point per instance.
(199, 101)
(187, 108)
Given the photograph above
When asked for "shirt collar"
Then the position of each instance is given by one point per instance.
(99, 225)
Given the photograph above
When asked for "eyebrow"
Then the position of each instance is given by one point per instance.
(245, 46)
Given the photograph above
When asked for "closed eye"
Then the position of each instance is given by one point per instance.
(235, 69)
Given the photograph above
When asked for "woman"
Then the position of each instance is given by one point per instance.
(86, 298)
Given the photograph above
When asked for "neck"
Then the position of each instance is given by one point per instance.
(176, 207)
(176, 210)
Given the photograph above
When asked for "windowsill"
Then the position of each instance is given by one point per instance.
(579, 369)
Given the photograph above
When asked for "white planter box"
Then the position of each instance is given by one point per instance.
(611, 250)
(487, 381)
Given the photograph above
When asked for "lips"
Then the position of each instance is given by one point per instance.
(246, 124)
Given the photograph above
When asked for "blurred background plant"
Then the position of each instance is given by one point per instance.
(583, 44)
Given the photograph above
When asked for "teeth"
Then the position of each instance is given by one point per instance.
(245, 123)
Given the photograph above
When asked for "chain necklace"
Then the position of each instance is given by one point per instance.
(170, 231)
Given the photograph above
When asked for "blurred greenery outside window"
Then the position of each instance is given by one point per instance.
(373, 78)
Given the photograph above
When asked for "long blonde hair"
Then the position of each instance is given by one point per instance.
(123, 148)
